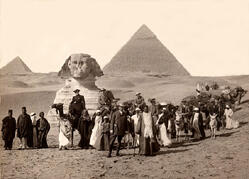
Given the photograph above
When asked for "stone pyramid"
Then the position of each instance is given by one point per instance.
(145, 53)
(16, 66)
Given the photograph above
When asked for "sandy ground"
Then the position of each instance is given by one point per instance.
(225, 157)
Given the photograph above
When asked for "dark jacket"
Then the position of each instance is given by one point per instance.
(8, 128)
(212, 108)
(119, 123)
(78, 104)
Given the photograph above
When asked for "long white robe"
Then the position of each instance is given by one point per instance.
(135, 119)
(148, 129)
(230, 123)
(165, 141)
(34, 121)
(65, 132)
(197, 134)
(96, 131)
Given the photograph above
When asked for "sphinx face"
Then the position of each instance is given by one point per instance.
(79, 66)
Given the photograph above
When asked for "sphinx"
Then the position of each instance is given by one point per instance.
(80, 72)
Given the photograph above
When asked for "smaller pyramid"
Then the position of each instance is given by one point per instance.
(15, 66)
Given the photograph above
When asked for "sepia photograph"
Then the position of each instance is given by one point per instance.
(124, 89)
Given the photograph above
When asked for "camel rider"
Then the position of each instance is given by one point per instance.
(103, 98)
(153, 108)
(76, 107)
(139, 101)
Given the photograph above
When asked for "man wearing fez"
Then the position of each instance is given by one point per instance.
(118, 128)
(76, 107)
(25, 129)
(8, 130)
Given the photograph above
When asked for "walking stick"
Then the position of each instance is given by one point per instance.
(72, 139)
(134, 147)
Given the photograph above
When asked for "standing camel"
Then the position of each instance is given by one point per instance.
(65, 126)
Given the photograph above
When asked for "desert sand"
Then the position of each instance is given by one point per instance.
(225, 157)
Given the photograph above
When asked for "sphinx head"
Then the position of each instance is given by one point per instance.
(80, 66)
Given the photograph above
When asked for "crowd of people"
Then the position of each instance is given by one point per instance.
(147, 127)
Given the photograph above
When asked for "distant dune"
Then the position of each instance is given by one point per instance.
(34, 101)
(17, 84)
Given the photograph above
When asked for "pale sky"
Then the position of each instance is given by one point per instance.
(209, 37)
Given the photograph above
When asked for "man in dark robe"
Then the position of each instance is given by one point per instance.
(118, 128)
(145, 128)
(84, 128)
(25, 129)
(43, 128)
(8, 130)
(76, 107)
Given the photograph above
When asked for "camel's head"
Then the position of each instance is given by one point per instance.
(58, 107)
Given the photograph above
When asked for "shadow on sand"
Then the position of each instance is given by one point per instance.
(237, 109)
(228, 134)
(246, 101)
(243, 123)
(171, 151)
(183, 144)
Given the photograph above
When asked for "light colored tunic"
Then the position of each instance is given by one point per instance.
(148, 131)
(65, 132)
(135, 119)
(34, 121)
(230, 123)
(96, 131)
(197, 134)
(165, 141)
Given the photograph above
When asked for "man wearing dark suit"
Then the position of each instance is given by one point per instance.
(76, 107)
(118, 128)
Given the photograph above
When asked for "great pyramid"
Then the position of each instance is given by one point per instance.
(145, 53)
(15, 66)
